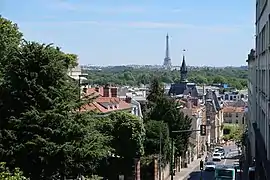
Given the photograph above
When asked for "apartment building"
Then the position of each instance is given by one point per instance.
(234, 115)
(259, 91)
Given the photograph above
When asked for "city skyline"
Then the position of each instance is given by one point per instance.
(102, 33)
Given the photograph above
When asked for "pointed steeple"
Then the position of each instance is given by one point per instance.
(183, 70)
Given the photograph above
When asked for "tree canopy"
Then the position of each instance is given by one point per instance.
(129, 135)
(165, 109)
(234, 77)
(41, 130)
(38, 118)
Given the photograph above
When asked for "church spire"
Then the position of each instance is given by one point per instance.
(183, 70)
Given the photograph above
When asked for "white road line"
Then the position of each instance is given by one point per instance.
(229, 153)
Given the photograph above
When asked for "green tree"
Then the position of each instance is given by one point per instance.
(6, 174)
(156, 90)
(128, 135)
(157, 133)
(10, 38)
(40, 130)
(167, 110)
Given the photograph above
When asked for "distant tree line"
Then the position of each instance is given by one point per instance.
(234, 77)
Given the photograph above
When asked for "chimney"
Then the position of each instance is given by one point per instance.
(114, 92)
(106, 91)
(128, 99)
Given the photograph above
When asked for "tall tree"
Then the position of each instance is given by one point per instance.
(10, 38)
(166, 109)
(156, 90)
(128, 135)
(157, 139)
(41, 131)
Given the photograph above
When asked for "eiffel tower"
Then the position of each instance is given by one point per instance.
(167, 63)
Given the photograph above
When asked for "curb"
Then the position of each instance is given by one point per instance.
(187, 175)
(192, 169)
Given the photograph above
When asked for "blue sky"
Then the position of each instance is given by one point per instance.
(117, 32)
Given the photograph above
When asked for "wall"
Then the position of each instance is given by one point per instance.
(233, 117)
(260, 111)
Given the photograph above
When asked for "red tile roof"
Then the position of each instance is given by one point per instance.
(104, 104)
(233, 109)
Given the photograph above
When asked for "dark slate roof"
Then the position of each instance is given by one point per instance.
(212, 97)
(177, 88)
(184, 88)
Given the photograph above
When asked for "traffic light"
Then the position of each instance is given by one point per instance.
(203, 130)
(201, 165)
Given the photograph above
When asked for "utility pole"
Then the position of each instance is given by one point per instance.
(160, 153)
(202, 132)
(172, 158)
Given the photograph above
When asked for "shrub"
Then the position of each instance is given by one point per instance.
(6, 174)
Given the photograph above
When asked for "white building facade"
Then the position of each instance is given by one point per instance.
(259, 82)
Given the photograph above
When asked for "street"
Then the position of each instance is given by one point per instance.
(196, 174)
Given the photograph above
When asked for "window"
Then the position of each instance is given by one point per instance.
(243, 120)
(236, 121)
(230, 114)
(263, 39)
(269, 28)
(257, 44)
(236, 115)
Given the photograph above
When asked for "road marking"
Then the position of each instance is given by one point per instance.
(229, 153)
(225, 161)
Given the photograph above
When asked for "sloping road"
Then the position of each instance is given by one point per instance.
(230, 151)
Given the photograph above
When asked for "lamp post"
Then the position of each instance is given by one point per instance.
(160, 153)
(160, 147)
(171, 156)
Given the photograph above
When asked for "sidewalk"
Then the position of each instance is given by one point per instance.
(184, 173)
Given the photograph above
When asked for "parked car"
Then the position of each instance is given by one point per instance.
(222, 153)
(216, 157)
(209, 166)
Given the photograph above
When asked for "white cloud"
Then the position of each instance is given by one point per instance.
(88, 7)
(142, 24)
